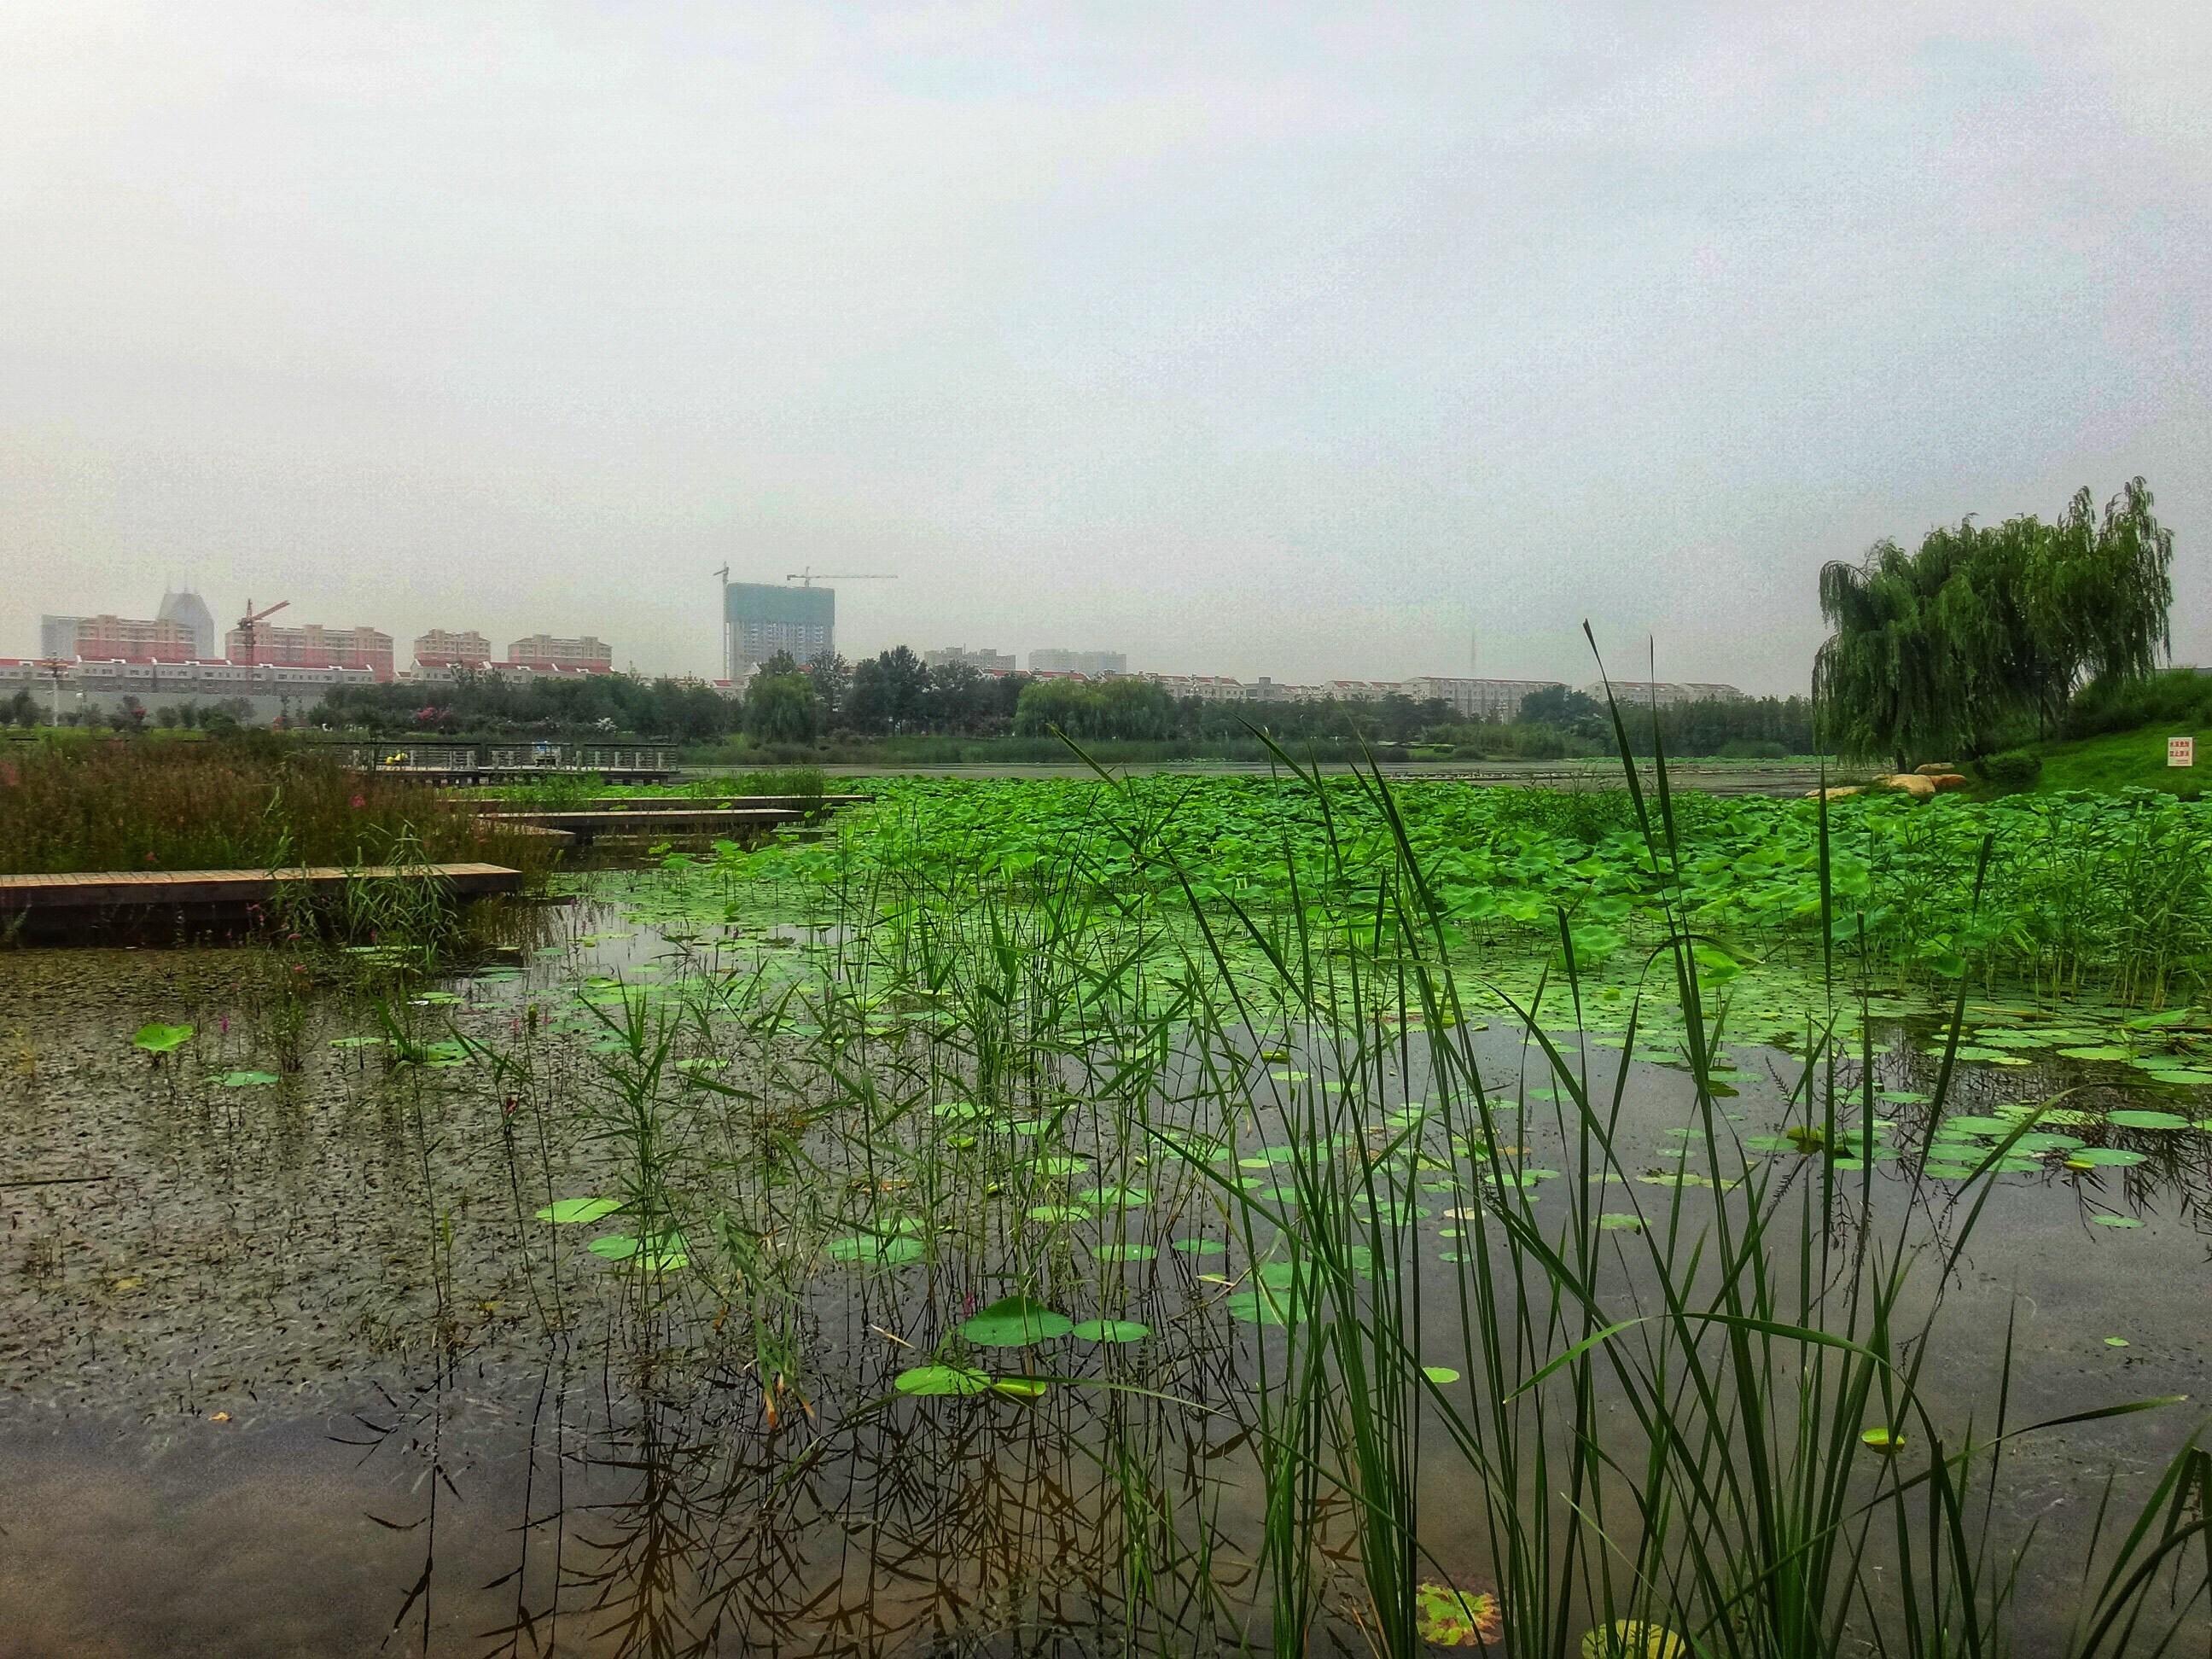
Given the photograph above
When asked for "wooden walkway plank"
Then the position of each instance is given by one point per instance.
(640, 803)
(114, 889)
(590, 823)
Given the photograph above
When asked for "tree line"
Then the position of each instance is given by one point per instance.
(792, 705)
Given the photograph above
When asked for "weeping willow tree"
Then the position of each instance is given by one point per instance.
(1985, 628)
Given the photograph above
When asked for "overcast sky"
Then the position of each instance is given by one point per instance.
(1277, 338)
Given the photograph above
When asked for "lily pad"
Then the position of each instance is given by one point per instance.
(1264, 1304)
(1447, 1617)
(2133, 1118)
(1015, 1321)
(1126, 1198)
(157, 1038)
(1057, 1213)
(875, 1249)
(569, 1210)
(2102, 1157)
(928, 1381)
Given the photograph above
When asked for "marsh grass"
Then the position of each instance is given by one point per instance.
(251, 802)
(1754, 1346)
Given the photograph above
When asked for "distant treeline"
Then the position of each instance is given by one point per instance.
(891, 702)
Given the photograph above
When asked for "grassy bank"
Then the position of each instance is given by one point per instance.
(2114, 761)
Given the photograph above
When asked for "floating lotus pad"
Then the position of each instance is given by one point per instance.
(1446, 1618)
(927, 1381)
(1015, 1321)
(876, 1250)
(568, 1211)
(1126, 1198)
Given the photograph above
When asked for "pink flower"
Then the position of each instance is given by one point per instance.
(360, 801)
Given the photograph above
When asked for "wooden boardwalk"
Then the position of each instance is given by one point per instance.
(801, 804)
(655, 821)
(91, 904)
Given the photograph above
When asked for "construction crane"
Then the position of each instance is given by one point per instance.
(807, 578)
(247, 622)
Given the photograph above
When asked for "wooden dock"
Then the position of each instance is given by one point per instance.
(586, 825)
(75, 902)
(801, 804)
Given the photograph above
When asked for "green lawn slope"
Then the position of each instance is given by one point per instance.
(2122, 759)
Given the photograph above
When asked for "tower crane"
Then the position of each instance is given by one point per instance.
(247, 622)
(808, 577)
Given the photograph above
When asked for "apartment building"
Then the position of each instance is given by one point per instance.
(110, 638)
(312, 645)
(983, 659)
(544, 651)
(1093, 664)
(1664, 694)
(1476, 699)
(444, 648)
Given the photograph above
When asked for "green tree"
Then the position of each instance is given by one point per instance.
(781, 709)
(1986, 628)
(832, 677)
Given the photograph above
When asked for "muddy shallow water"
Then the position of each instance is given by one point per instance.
(292, 1366)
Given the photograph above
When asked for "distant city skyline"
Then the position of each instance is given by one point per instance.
(1286, 341)
(302, 642)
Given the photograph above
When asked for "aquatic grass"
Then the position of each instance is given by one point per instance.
(1666, 1421)
(1750, 1526)
(250, 803)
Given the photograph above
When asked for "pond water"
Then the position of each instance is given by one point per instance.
(292, 1362)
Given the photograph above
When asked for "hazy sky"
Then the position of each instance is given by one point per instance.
(1273, 338)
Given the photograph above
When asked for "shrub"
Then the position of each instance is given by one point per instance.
(2014, 769)
(2102, 706)
(1752, 749)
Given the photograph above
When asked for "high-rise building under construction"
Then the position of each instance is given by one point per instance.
(759, 620)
